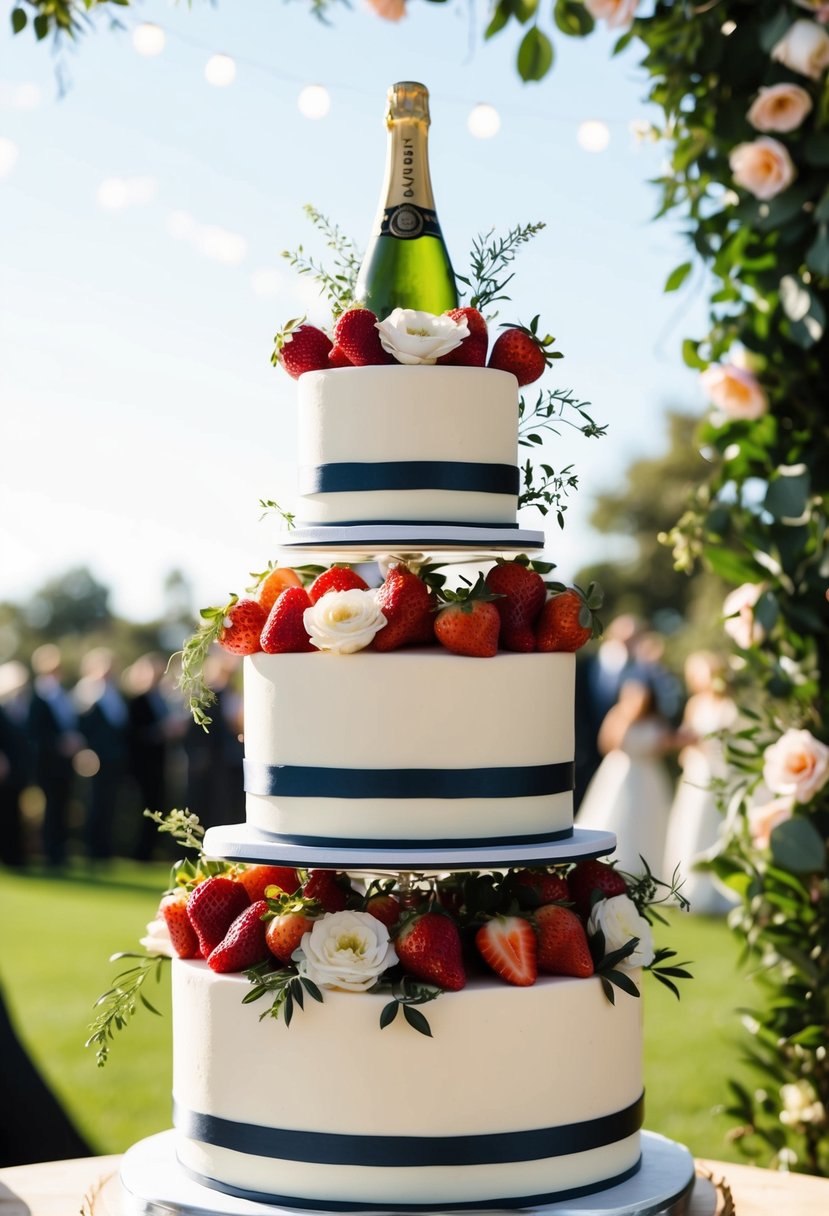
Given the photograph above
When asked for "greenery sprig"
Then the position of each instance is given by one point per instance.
(490, 259)
(339, 286)
(287, 988)
(118, 1005)
(407, 993)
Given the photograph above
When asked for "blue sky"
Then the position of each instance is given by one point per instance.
(142, 420)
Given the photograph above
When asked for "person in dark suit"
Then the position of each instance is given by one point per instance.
(103, 717)
(55, 739)
(150, 723)
(15, 760)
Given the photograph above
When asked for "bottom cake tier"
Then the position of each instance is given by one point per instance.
(520, 1096)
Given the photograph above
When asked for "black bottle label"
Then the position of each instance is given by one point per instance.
(406, 222)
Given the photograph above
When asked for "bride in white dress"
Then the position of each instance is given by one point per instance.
(631, 792)
(694, 823)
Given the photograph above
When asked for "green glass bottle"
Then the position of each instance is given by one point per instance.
(407, 264)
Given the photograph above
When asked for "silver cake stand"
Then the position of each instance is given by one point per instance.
(153, 1184)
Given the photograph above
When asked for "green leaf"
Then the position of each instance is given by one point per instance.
(388, 1014)
(815, 149)
(798, 846)
(822, 209)
(573, 18)
(690, 355)
(817, 255)
(41, 26)
(523, 10)
(535, 55)
(499, 19)
(788, 494)
(772, 31)
(19, 20)
(733, 567)
(623, 981)
(417, 1021)
(678, 276)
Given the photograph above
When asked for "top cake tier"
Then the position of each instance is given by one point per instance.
(418, 455)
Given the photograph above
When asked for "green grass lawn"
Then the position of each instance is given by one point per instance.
(57, 935)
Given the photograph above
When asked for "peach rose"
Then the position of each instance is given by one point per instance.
(617, 13)
(763, 167)
(762, 820)
(804, 48)
(735, 390)
(780, 107)
(738, 610)
(796, 765)
(389, 10)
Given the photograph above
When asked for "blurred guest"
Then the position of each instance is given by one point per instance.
(599, 676)
(55, 739)
(694, 822)
(631, 792)
(647, 653)
(15, 760)
(103, 718)
(215, 786)
(150, 724)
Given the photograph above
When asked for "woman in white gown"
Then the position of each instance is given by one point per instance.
(694, 822)
(631, 792)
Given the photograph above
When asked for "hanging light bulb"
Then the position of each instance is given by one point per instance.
(9, 153)
(314, 101)
(148, 38)
(220, 70)
(484, 121)
(593, 135)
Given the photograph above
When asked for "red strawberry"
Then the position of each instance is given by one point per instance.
(406, 603)
(257, 879)
(356, 336)
(429, 947)
(472, 350)
(274, 583)
(566, 622)
(338, 358)
(331, 889)
(338, 578)
(521, 351)
(242, 626)
(286, 930)
(384, 907)
(541, 886)
(508, 944)
(563, 948)
(522, 593)
(244, 943)
(182, 934)
(284, 631)
(304, 349)
(213, 907)
(594, 876)
(469, 624)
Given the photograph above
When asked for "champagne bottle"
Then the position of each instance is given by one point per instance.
(407, 264)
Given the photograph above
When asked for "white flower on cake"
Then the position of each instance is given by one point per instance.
(804, 48)
(343, 622)
(618, 920)
(420, 337)
(796, 765)
(346, 950)
(157, 938)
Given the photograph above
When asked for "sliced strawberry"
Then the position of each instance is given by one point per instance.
(242, 626)
(330, 888)
(212, 908)
(286, 930)
(429, 948)
(356, 336)
(304, 349)
(274, 583)
(407, 604)
(472, 350)
(591, 880)
(508, 945)
(257, 879)
(183, 937)
(563, 948)
(284, 631)
(522, 594)
(244, 943)
(338, 578)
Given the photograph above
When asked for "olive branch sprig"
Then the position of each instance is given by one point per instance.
(118, 1005)
(287, 987)
(489, 259)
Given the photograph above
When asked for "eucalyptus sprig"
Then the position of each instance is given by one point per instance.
(270, 507)
(549, 411)
(489, 260)
(197, 693)
(118, 1005)
(337, 286)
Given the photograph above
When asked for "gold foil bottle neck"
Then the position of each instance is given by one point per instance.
(408, 100)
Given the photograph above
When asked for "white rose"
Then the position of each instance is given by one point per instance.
(763, 167)
(157, 939)
(763, 819)
(738, 610)
(343, 622)
(420, 337)
(804, 48)
(797, 765)
(800, 1104)
(780, 107)
(617, 13)
(735, 390)
(346, 950)
(619, 921)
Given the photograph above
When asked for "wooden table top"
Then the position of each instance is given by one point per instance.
(74, 1188)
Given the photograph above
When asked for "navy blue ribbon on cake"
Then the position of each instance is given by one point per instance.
(305, 781)
(329, 1148)
(354, 476)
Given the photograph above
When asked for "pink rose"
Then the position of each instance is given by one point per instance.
(736, 391)
(617, 13)
(796, 765)
(763, 167)
(738, 610)
(389, 10)
(762, 820)
(804, 48)
(780, 107)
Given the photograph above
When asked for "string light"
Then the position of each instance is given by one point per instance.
(314, 101)
(9, 153)
(220, 70)
(484, 121)
(115, 193)
(593, 135)
(148, 38)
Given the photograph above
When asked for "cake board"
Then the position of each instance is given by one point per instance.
(363, 542)
(153, 1184)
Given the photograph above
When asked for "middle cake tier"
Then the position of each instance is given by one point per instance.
(412, 748)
